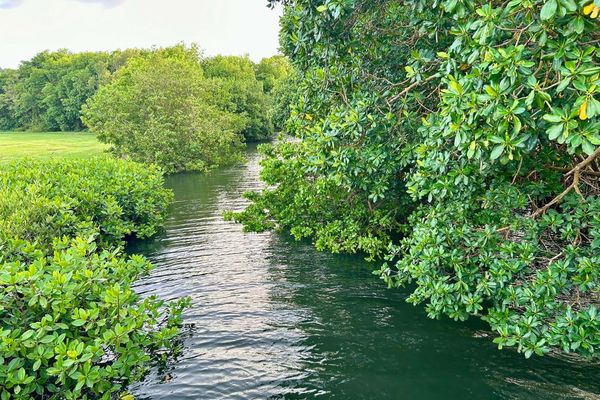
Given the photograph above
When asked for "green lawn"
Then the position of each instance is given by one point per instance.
(16, 145)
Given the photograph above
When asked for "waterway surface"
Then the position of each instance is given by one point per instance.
(274, 319)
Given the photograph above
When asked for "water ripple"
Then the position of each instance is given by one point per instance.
(272, 318)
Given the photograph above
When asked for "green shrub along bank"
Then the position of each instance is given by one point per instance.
(42, 200)
(458, 140)
(173, 108)
(71, 326)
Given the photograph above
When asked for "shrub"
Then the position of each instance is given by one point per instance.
(160, 109)
(41, 200)
(71, 327)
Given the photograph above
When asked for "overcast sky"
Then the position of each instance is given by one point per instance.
(219, 26)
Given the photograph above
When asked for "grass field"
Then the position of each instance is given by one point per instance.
(17, 145)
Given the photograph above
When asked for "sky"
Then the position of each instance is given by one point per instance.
(229, 27)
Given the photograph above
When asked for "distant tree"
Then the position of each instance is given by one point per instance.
(32, 77)
(283, 96)
(46, 93)
(76, 78)
(7, 83)
(273, 71)
(246, 96)
(278, 78)
(160, 109)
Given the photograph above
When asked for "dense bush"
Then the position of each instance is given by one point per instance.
(72, 328)
(70, 325)
(282, 97)
(41, 200)
(278, 78)
(160, 109)
(272, 71)
(47, 92)
(460, 138)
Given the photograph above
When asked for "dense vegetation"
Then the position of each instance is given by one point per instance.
(47, 92)
(160, 109)
(278, 79)
(460, 141)
(243, 93)
(41, 200)
(168, 106)
(71, 327)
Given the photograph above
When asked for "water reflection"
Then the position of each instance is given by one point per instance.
(272, 318)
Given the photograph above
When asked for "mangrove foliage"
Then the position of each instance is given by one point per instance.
(459, 142)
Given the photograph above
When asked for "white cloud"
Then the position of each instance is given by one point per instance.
(10, 3)
(105, 3)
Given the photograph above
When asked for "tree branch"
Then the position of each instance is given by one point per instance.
(576, 172)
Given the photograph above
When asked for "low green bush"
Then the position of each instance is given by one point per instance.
(41, 200)
(71, 327)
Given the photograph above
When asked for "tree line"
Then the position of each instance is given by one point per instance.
(49, 92)
(458, 143)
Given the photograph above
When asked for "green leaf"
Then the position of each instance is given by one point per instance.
(563, 85)
(593, 107)
(555, 131)
(47, 339)
(552, 118)
(548, 10)
(588, 148)
(570, 5)
(497, 151)
(517, 125)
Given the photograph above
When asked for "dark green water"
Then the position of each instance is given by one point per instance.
(273, 318)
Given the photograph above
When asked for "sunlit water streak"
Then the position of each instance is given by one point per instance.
(273, 318)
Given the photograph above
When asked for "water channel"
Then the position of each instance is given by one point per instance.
(275, 319)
